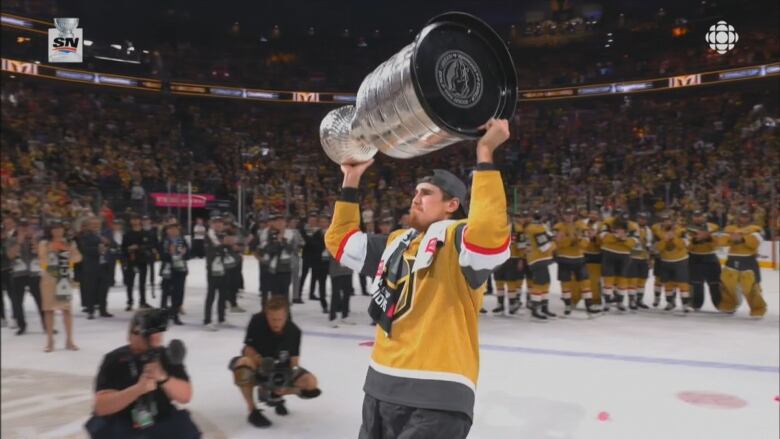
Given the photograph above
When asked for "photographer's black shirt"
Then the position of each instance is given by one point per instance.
(116, 374)
(269, 344)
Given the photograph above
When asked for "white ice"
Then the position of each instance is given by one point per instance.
(537, 380)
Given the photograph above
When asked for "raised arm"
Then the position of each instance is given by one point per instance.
(352, 248)
(484, 242)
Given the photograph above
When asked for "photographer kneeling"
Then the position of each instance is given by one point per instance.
(137, 382)
(270, 361)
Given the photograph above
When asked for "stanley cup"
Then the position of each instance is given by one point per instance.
(66, 26)
(434, 92)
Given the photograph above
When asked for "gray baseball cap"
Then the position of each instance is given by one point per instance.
(448, 182)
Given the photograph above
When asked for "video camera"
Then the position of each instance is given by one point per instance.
(274, 374)
(152, 322)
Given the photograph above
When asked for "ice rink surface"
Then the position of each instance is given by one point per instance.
(650, 374)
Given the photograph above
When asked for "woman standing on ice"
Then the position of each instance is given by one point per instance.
(57, 256)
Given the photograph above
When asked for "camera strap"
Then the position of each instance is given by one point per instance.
(145, 408)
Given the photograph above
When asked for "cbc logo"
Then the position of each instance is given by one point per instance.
(721, 37)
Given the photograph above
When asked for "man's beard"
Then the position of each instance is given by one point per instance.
(417, 223)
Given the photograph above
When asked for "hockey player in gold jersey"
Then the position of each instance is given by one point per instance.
(508, 276)
(540, 256)
(657, 264)
(672, 248)
(640, 261)
(570, 239)
(703, 263)
(428, 288)
(592, 256)
(742, 271)
(616, 245)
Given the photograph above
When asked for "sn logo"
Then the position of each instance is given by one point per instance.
(66, 42)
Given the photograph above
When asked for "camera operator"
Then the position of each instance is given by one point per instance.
(153, 232)
(314, 244)
(173, 270)
(137, 249)
(93, 250)
(270, 360)
(277, 250)
(137, 383)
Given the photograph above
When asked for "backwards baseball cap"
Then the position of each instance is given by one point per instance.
(449, 183)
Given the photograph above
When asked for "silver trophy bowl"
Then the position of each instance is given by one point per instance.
(66, 25)
(434, 92)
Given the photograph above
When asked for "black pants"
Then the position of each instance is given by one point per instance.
(178, 280)
(233, 283)
(17, 287)
(130, 278)
(265, 280)
(198, 248)
(340, 290)
(105, 280)
(176, 425)
(240, 285)
(215, 290)
(704, 269)
(320, 275)
(308, 264)
(151, 273)
(385, 420)
(278, 285)
(90, 286)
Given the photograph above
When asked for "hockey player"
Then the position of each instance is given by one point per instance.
(508, 275)
(540, 256)
(571, 239)
(657, 264)
(640, 262)
(704, 266)
(616, 245)
(592, 255)
(673, 251)
(427, 291)
(742, 270)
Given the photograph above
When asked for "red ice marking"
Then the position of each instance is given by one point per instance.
(368, 343)
(603, 416)
(712, 400)
(777, 398)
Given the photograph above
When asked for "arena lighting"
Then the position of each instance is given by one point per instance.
(87, 43)
(108, 58)
(117, 46)
(15, 21)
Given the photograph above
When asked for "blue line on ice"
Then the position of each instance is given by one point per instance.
(591, 355)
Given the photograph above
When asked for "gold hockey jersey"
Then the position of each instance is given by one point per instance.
(540, 243)
(571, 240)
(431, 358)
(672, 249)
(751, 240)
(706, 246)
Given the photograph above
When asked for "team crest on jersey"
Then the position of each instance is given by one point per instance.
(404, 284)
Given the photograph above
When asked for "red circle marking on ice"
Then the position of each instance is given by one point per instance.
(712, 400)
(603, 416)
(366, 343)
(777, 398)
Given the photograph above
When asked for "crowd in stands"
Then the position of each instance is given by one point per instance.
(68, 150)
